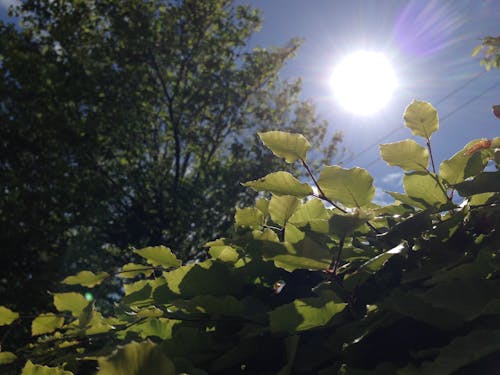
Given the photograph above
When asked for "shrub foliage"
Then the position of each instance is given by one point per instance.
(316, 278)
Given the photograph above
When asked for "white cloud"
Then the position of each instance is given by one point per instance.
(382, 198)
(393, 179)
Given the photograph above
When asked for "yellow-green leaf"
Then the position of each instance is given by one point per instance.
(73, 302)
(86, 278)
(462, 165)
(281, 183)
(248, 217)
(351, 187)
(136, 359)
(424, 188)
(289, 146)
(131, 270)
(406, 154)
(159, 256)
(310, 211)
(32, 369)
(7, 357)
(46, 323)
(345, 224)
(281, 208)
(7, 316)
(421, 118)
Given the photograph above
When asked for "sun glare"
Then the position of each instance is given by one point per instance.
(364, 82)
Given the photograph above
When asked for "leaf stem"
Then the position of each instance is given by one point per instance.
(336, 260)
(430, 153)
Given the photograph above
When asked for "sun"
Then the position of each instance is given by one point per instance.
(364, 82)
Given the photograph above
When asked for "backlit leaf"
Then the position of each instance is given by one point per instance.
(136, 359)
(351, 187)
(406, 154)
(345, 224)
(7, 316)
(423, 188)
(159, 256)
(281, 183)
(462, 165)
(248, 217)
(32, 369)
(289, 146)
(131, 270)
(73, 302)
(281, 208)
(86, 278)
(46, 323)
(421, 118)
(312, 210)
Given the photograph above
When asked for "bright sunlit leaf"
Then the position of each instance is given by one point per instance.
(364, 82)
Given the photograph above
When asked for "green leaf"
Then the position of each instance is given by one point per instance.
(7, 316)
(159, 256)
(312, 210)
(289, 146)
(462, 165)
(375, 264)
(292, 262)
(403, 198)
(293, 234)
(406, 154)
(423, 188)
(32, 369)
(136, 359)
(345, 224)
(248, 217)
(224, 253)
(421, 118)
(351, 187)
(154, 327)
(46, 323)
(464, 350)
(7, 357)
(302, 315)
(484, 182)
(131, 270)
(73, 302)
(281, 208)
(86, 278)
(281, 183)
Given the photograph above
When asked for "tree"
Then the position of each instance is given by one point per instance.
(131, 123)
(311, 281)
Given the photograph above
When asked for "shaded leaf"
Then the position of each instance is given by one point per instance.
(46, 323)
(7, 316)
(302, 315)
(289, 146)
(464, 350)
(159, 256)
(421, 118)
(86, 278)
(136, 359)
(484, 182)
(7, 357)
(281, 183)
(351, 187)
(406, 154)
(345, 224)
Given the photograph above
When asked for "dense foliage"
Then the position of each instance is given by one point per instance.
(316, 278)
(131, 123)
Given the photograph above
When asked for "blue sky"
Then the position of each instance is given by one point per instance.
(429, 44)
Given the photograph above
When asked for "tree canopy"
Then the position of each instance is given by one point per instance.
(131, 123)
